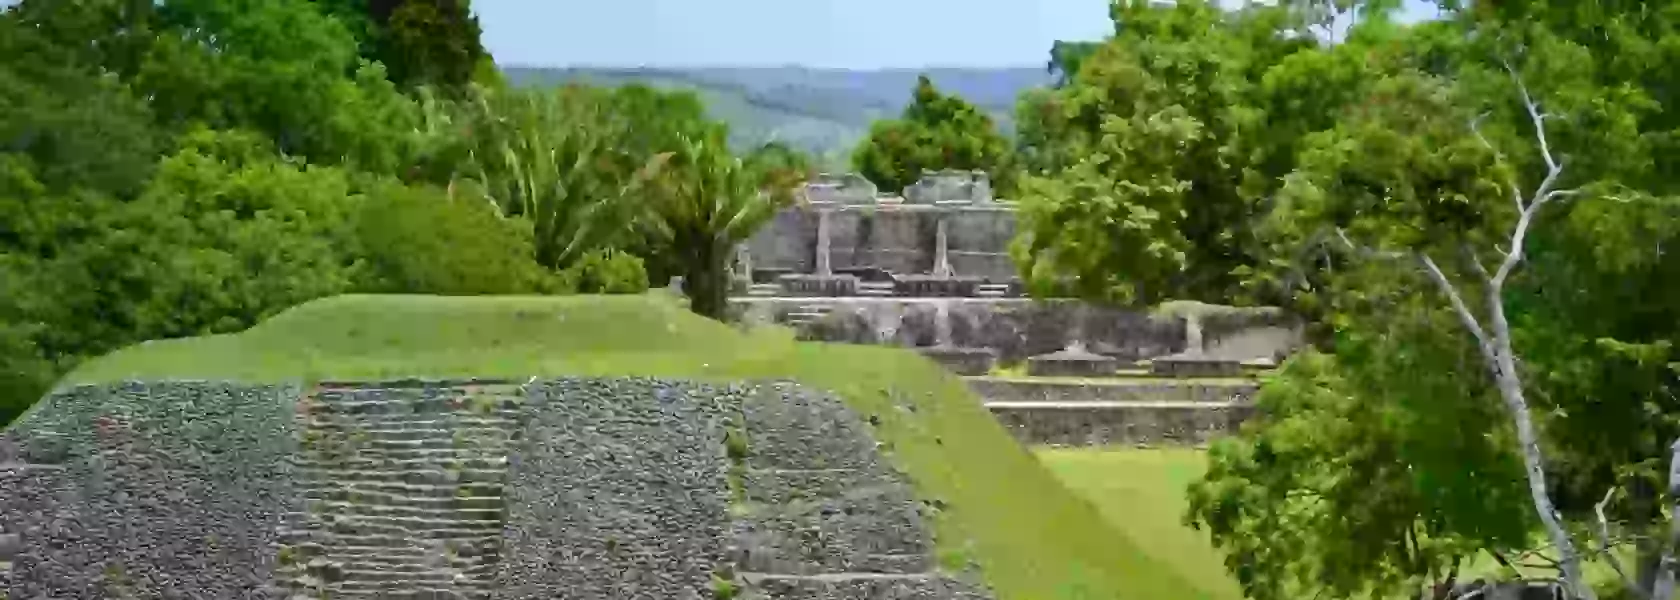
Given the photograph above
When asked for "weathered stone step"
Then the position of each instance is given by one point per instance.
(350, 534)
(429, 566)
(410, 430)
(406, 539)
(342, 460)
(1119, 423)
(856, 586)
(450, 501)
(492, 489)
(455, 404)
(388, 510)
(414, 593)
(1066, 389)
(354, 578)
(312, 477)
(409, 460)
(427, 421)
(439, 527)
(778, 486)
(770, 563)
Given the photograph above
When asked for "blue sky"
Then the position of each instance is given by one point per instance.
(857, 34)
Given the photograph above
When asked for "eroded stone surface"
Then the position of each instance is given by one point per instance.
(1196, 365)
(1119, 423)
(962, 361)
(593, 489)
(821, 514)
(150, 491)
(403, 489)
(1072, 362)
(617, 491)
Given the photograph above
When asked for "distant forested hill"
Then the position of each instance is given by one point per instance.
(823, 111)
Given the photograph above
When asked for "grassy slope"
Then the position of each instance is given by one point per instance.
(1035, 540)
(1141, 493)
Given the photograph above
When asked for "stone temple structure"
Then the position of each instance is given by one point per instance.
(930, 270)
(588, 489)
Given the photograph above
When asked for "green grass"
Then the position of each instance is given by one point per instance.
(1034, 539)
(1141, 494)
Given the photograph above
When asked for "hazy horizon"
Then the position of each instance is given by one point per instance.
(870, 35)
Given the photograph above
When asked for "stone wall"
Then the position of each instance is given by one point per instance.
(618, 491)
(978, 240)
(901, 239)
(1121, 423)
(1016, 328)
(167, 490)
(592, 489)
(1024, 390)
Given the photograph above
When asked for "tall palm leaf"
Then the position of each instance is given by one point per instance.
(552, 156)
(708, 201)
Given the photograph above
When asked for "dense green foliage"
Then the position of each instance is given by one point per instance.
(1474, 215)
(937, 131)
(1471, 213)
(188, 167)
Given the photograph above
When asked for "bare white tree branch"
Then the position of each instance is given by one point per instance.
(1516, 190)
(1537, 117)
(1604, 546)
(1464, 315)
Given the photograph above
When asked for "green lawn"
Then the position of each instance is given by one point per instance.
(1141, 493)
(1035, 539)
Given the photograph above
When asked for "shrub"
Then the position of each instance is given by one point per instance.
(421, 240)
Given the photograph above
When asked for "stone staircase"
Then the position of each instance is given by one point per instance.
(807, 314)
(820, 515)
(403, 489)
(875, 289)
(992, 290)
(764, 290)
(1132, 410)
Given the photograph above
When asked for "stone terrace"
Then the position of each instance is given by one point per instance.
(931, 271)
(592, 489)
(404, 490)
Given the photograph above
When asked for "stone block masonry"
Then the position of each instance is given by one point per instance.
(591, 489)
(820, 514)
(403, 490)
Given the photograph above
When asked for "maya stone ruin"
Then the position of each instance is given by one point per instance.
(590, 489)
(930, 270)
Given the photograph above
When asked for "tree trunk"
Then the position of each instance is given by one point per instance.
(1528, 440)
(1643, 499)
(1666, 575)
(707, 281)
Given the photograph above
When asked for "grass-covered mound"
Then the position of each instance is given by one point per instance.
(1033, 538)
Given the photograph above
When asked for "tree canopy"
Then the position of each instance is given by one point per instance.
(935, 132)
(187, 167)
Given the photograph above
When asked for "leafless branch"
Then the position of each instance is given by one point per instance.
(1469, 255)
(1367, 252)
(1542, 194)
(1534, 115)
(1463, 310)
(1604, 545)
(1516, 190)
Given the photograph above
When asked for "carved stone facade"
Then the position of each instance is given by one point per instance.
(932, 271)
